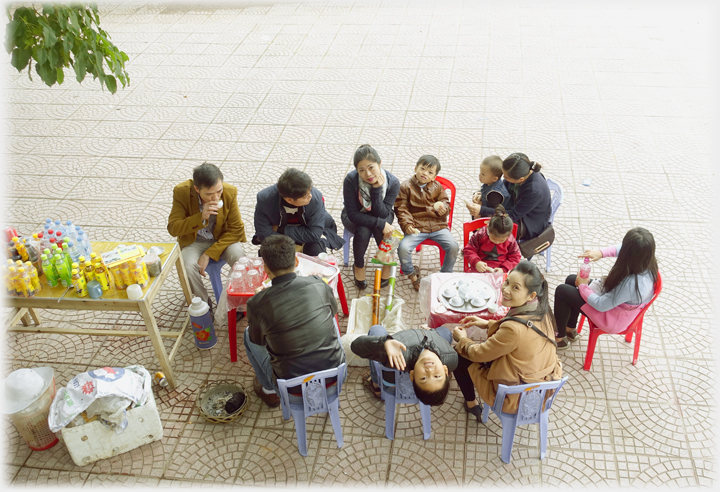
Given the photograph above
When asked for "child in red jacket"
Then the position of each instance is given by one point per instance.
(494, 248)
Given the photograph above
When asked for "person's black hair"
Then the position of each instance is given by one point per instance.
(518, 165)
(206, 175)
(500, 223)
(494, 162)
(535, 282)
(433, 398)
(430, 161)
(278, 253)
(365, 152)
(637, 255)
(294, 183)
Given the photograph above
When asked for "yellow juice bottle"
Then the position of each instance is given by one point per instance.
(20, 249)
(14, 282)
(117, 277)
(78, 280)
(125, 273)
(101, 275)
(137, 274)
(34, 277)
(88, 271)
(25, 283)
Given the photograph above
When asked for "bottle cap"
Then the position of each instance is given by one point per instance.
(43, 257)
(51, 231)
(40, 235)
(46, 251)
(74, 271)
(52, 240)
(35, 236)
(75, 265)
(69, 222)
(58, 234)
(70, 244)
(21, 270)
(81, 259)
(15, 240)
(11, 269)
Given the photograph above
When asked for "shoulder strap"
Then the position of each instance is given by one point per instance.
(529, 323)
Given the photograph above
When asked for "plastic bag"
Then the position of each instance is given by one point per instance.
(386, 249)
(361, 313)
(132, 383)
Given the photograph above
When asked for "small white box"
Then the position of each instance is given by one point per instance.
(95, 441)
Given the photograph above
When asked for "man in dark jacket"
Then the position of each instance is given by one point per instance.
(295, 208)
(291, 325)
(426, 354)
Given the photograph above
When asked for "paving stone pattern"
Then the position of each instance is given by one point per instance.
(617, 93)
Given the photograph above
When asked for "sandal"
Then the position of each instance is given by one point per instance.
(414, 277)
(368, 383)
(572, 335)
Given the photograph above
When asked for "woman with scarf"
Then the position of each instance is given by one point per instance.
(369, 194)
(520, 348)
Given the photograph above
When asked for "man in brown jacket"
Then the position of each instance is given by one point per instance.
(205, 218)
(422, 208)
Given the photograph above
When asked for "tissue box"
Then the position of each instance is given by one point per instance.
(94, 441)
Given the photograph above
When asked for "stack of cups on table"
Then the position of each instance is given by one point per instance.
(247, 275)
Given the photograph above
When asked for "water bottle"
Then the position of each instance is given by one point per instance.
(86, 242)
(47, 226)
(81, 243)
(74, 252)
(585, 269)
(58, 226)
(70, 231)
(202, 324)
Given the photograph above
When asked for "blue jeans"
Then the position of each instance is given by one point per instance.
(380, 331)
(443, 237)
(260, 361)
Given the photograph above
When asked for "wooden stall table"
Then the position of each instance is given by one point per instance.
(112, 300)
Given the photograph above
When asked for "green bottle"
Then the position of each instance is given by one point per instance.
(50, 272)
(65, 277)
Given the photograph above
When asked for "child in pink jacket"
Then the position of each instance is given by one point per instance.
(614, 302)
(493, 248)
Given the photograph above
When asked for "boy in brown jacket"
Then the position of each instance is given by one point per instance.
(422, 208)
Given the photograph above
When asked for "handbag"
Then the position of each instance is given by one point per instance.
(538, 244)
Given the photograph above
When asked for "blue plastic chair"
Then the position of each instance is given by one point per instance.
(404, 393)
(214, 271)
(347, 235)
(530, 411)
(556, 198)
(315, 400)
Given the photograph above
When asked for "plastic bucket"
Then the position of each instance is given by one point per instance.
(32, 423)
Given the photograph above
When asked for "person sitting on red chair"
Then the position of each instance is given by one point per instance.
(493, 248)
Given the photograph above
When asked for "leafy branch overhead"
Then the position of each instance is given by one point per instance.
(63, 36)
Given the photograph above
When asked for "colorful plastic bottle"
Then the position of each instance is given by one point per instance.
(70, 231)
(34, 278)
(74, 252)
(585, 269)
(58, 226)
(136, 271)
(25, 283)
(101, 275)
(63, 272)
(88, 271)
(78, 281)
(82, 243)
(51, 273)
(125, 273)
(202, 324)
(117, 277)
(14, 282)
(22, 251)
(66, 254)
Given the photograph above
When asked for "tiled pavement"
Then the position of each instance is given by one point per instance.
(618, 93)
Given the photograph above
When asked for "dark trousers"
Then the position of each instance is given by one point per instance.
(313, 249)
(568, 302)
(462, 376)
(362, 238)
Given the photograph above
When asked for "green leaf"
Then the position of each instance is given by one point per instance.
(80, 68)
(10, 31)
(20, 58)
(60, 75)
(40, 55)
(47, 73)
(111, 84)
(48, 9)
(50, 38)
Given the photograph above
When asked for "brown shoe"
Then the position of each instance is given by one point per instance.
(273, 401)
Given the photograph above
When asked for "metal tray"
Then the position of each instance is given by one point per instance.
(479, 286)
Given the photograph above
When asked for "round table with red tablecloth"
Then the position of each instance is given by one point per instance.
(428, 298)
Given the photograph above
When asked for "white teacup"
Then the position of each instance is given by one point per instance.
(465, 292)
(456, 301)
(492, 308)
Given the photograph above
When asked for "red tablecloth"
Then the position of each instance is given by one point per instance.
(429, 298)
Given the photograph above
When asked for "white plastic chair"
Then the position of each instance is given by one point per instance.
(404, 393)
(315, 400)
(530, 411)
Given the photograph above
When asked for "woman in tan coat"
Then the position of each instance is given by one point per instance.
(515, 352)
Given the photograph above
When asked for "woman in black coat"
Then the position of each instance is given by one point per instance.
(369, 194)
(530, 195)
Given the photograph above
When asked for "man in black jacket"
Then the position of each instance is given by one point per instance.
(295, 208)
(426, 354)
(291, 325)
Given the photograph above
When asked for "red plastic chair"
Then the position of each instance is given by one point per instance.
(635, 327)
(450, 190)
(473, 225)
